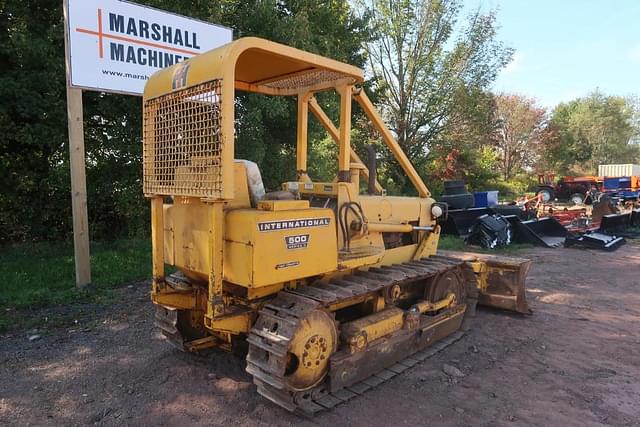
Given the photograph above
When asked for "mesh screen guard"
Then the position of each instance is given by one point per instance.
(182, 148)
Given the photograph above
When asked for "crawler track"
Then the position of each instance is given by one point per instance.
(167, 321)
(279, 319)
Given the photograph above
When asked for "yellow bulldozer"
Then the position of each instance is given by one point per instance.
(330, 287)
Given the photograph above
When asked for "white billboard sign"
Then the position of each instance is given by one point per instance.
(116, 45)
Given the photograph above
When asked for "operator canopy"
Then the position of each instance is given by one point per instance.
(256, 65)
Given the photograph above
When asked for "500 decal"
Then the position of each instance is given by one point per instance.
(299, 241)
(291, 224)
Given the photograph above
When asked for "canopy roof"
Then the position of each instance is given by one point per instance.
(256, 65)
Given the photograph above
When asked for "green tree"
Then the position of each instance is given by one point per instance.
(465, 148)
(520, 126)
(32, 120)
(634, 102)
(267, 133)
(423, 64)
(589, 131)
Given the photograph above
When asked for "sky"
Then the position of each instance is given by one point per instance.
(567, 48)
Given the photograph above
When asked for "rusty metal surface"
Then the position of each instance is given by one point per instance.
(354, 374)
(506, 288)
(505, 279)
(348, 369)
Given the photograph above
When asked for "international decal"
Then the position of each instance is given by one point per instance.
(292, 224)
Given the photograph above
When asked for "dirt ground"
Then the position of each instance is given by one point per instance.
(575, 362)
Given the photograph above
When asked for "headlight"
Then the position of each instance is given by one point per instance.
(436, 211)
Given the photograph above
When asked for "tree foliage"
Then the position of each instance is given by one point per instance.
(425, 66)
(35, 194)
(589, 131)
(465, 149)
(520, 127)
(634, 103)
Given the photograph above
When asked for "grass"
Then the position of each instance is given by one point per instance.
(42, 274)
(454, 243)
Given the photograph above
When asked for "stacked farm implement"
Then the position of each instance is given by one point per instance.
(534, 220)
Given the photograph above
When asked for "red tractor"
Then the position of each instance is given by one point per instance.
(576, 189)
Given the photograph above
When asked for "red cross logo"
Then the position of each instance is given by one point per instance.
(102, 35)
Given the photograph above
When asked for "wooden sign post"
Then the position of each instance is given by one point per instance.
(77, 168)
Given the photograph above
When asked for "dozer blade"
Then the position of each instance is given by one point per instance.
(500, 280)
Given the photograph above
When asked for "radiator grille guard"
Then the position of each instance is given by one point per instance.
(182, 148)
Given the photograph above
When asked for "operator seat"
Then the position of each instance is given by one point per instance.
(256, 186)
